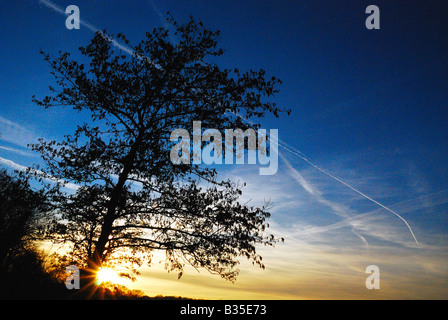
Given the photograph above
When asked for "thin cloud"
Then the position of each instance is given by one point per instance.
(20, 167)
(18, 151)
(302, 156)
(317, 194)
(16, 134)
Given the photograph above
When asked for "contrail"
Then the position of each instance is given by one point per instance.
(89, 26)
(302, 156)
(338, 209)
(92, 28)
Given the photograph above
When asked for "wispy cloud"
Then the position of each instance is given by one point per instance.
(337, 208)
(18, 151)
(302, 156)
(14, 133)
(312, 209)
(19, 167)
(298, 269)
(307, 186)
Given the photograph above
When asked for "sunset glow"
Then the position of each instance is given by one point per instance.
(108, 275)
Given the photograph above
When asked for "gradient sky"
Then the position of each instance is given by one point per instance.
(368, 106)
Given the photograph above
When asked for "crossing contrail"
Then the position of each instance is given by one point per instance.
(302, 156)
(337, 209)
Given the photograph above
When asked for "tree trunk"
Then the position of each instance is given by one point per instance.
(95, 261)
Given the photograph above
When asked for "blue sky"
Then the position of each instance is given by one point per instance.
(368, 106)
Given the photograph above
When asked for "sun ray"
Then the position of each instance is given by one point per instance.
(106, 274)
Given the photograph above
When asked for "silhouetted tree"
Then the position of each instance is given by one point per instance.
(20, 207)
(132, 199)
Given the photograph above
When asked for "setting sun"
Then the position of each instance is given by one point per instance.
(108, 275)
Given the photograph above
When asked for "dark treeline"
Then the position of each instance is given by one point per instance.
(22, 268)
(26, 272)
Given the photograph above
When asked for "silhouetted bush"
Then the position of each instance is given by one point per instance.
(19, 206)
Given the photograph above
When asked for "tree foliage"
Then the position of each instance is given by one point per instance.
(132, 199)
(20, 210)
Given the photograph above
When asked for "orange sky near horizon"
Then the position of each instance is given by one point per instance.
(311, 272)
